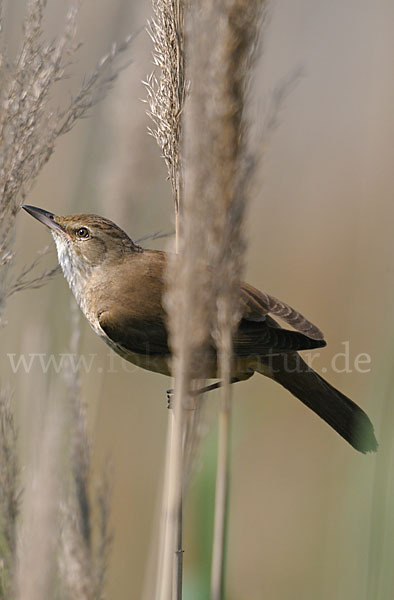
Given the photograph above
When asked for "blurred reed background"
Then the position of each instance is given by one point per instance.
(309, 517)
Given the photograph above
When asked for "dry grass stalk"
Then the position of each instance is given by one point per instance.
(165, 96)
(38, 534)
(83, 560)
(29, 128)
(26, 280)
(9, 492)
(83, 565)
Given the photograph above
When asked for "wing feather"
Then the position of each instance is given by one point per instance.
(267, 338)
(256, 305)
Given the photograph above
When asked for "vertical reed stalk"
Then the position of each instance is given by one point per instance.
(165, 96)
(222, 489)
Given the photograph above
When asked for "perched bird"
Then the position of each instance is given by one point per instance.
(119, 287)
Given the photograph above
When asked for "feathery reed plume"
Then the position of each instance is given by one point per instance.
(29, 128)
(9, 494)
(225, 60)
(166, 94)
(80, 445)
(83, 560)
(83, 565)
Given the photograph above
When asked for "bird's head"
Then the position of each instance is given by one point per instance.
(84, 242)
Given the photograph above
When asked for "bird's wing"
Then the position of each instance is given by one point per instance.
(143, 330)
(256, 305)
(142, 336)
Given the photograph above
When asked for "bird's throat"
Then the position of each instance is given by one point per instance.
(75, 269)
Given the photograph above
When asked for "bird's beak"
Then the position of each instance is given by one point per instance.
(44, 217)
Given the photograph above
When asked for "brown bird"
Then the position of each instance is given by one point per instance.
(119, 287)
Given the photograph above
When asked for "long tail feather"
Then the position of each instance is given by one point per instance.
(343, 415)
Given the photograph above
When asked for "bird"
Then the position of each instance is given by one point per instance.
(119, 287)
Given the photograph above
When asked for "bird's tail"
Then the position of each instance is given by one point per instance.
(343, 415)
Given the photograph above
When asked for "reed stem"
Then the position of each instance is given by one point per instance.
(221, 497)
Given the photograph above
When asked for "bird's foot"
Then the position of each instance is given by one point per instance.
(170, 396)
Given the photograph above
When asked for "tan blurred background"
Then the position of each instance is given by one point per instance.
(309, 517)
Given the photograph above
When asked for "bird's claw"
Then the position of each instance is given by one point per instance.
(170, 395)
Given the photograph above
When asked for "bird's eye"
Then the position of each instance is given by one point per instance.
(83, 232)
